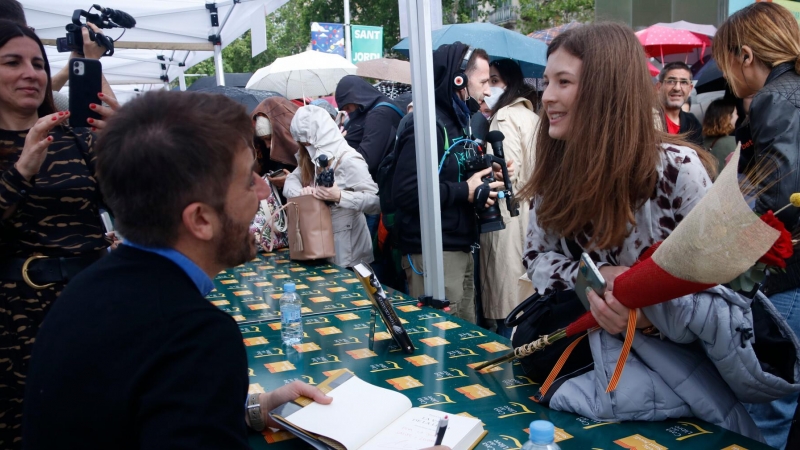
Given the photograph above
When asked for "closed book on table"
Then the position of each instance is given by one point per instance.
(363, 416)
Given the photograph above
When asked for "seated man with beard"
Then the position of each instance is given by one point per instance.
(132, 355)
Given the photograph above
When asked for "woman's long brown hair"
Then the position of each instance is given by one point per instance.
(306, 166)
(597, 180)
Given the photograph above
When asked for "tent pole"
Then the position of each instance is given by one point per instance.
(218, 65)
(348, 51)
(420, 49)
(182, 79)
(216, 39)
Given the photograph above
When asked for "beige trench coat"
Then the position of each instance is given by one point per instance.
(501, 251)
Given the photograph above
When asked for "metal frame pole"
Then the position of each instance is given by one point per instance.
(348, 52)
(421, 52)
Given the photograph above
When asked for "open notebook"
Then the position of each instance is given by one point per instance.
(363, 416)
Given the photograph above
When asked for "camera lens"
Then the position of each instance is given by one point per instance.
(77, 71)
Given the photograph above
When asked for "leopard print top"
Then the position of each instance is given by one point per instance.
(56, 214)
(681, 184)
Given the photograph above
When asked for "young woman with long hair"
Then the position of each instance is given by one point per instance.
(758, 51)
(608, 183)
(512, 104)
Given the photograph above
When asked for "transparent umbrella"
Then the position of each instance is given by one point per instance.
(307, 74)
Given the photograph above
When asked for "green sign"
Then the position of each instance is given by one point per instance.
(367, 43)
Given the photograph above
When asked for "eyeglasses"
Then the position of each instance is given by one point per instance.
(673, 81)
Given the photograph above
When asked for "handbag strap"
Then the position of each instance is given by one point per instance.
(298, 237)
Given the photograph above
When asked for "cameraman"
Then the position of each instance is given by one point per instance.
(459, 229)
(91, 50)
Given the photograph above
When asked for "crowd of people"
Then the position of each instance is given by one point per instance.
(112, 344)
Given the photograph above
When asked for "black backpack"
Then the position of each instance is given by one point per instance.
(386, 169)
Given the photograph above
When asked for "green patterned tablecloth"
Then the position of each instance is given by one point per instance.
(251, 292)
(438, 375)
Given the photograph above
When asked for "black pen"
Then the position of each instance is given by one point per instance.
(442, 429)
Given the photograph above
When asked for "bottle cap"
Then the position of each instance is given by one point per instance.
(542, 432)
(288, 287)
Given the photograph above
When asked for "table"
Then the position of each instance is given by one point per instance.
(251, 292)
(438, 375)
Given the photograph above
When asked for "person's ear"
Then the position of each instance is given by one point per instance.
(747, 55)
(200, 221)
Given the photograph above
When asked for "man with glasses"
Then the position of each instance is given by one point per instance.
(674, 85)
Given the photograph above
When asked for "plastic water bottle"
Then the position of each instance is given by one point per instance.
(542, 436)
(291, 320)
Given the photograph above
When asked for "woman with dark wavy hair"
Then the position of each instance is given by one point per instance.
(50, 227)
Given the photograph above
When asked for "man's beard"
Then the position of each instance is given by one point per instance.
(236, 245)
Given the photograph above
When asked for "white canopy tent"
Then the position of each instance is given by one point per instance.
(169, 36)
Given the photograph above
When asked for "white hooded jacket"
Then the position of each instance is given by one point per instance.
(313, 125)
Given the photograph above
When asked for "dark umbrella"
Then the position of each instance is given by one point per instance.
(709, 78)
(250, 98)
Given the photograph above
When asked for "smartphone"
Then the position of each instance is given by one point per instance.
(588, 276)
(276, 173)
(85, 81)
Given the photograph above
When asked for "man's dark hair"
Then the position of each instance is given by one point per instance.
(477, 54)
(672, 66)
(166, 150)
(12, 10)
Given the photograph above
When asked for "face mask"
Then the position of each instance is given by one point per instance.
(492, 100)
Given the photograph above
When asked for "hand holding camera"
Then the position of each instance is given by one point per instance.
(477, 180)
(77, 31)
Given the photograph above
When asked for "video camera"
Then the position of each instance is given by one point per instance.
(107, 19)
(489, 219)
(325, 176)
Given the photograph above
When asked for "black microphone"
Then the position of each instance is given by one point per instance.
(480, 127)
(119, 18)
(495, 138)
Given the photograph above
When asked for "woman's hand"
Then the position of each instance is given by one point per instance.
(36, 142)
(115, 241)
(308, 190)
(612, 315)
(105, 111)
(610, 274)
(278, 182)
(331, 194)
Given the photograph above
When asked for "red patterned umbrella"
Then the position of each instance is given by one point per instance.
(660, 41)
(549, 34)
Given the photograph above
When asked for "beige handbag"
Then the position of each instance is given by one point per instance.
(310, 229)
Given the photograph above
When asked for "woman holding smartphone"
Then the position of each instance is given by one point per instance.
(49, 209)
(612, 186)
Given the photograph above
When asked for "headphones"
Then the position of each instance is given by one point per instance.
(460, 79)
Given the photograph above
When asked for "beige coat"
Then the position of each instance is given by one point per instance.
(351, 237)
(501, 251)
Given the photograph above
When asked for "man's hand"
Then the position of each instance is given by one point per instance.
(610, 274)
(475, 181)
(37, 140)
(287, 393)
(331, 194)
(278, 182)
(105, 111)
